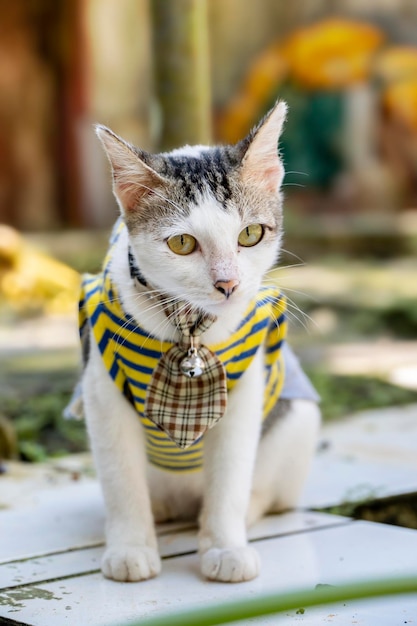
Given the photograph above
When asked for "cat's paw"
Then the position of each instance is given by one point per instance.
(230, 565)
(130, 563)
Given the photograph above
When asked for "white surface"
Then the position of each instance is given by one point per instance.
(404, 376)
(342, 553)
(337, 481)
(381, 612)
(49, 564)
(369, 455)
(53, 531)
(61, 518)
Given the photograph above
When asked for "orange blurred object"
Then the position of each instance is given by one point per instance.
(332, 53)
(397, 63)
(265, 75)
(400, 100)
(397, 67)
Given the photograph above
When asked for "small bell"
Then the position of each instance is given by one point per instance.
(192, 365)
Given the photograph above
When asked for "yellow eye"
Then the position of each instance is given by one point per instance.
(251, 235)
(182, 244)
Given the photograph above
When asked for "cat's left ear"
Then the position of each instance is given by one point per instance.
(261, 163)
(133, 178)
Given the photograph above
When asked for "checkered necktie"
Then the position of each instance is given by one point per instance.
(187, 394)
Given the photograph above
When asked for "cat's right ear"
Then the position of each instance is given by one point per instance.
(133, 179)
(261, 162)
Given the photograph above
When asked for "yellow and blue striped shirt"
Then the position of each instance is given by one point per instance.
(130, 355)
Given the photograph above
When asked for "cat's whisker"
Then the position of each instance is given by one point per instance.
(293, 318)
(294, 255)
(122, 327)
(157, 309)
(291, 310)
(149, 294)
(295, 307)
(302, 293)
(280, 268)
(168, 319)
(155, 305)
(291, 313)
(125, 324)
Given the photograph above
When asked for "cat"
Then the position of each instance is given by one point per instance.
(199, 228)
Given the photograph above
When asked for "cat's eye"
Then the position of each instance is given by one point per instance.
(251, 235)
(182, 244)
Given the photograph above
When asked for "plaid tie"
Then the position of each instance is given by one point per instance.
(187, 394)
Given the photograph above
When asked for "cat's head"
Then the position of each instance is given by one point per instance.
(204, 223)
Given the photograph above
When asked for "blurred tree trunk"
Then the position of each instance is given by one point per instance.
(182, 73)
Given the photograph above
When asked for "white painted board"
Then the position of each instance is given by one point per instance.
(172, 542)
(343, 553)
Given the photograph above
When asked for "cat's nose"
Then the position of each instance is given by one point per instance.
(227, 287)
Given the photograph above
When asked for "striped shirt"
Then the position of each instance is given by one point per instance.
(130, 355)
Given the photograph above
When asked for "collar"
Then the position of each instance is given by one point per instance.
(135, 272)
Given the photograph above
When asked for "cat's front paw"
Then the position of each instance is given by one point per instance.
(230, 565)
(130, 563)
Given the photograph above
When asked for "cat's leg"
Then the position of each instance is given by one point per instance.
(117, 442)
(284, 457)
(229, 457)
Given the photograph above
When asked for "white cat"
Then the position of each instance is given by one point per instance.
(199, 229)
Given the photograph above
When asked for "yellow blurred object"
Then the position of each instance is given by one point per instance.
(400, 99)
(265, 75)
(236, 119)
(397, 66)
(10, 246)
(397, 63)
(332, 53)
(31, 280)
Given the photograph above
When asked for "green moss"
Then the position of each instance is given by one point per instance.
(33, 401)
(16, 598)
(398, 510)
(41, 429)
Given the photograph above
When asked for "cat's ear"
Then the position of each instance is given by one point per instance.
(261, 163)
(133, 179)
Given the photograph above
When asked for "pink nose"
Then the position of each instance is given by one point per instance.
(227, 287)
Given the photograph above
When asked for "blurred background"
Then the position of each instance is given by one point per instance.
(348, 70)
(167, 73)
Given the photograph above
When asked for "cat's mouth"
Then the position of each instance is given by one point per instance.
(220, 304)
